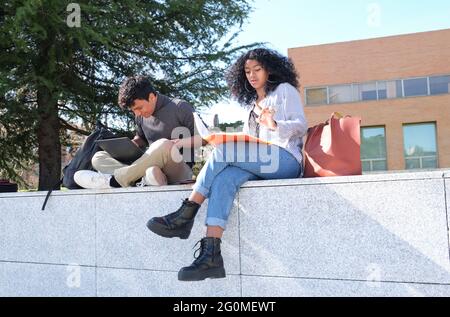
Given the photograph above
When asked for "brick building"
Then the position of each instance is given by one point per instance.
(398, 85)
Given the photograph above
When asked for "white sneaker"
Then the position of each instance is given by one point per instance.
(153, 177)
(92, 180)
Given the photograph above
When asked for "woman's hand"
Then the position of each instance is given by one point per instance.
(266, 118)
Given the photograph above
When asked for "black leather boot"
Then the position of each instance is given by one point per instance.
(177, 224)
(209, 263)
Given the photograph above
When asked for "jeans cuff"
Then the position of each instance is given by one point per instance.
(210, 221)
(202, 190)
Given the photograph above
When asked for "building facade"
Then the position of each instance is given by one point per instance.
(398, 85)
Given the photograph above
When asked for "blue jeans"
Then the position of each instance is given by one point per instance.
(231, 165)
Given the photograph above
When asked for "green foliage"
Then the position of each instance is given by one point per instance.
(17, 139)
(235, 126)
(183, 46)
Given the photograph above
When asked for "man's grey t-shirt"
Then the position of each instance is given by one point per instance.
(169, 116)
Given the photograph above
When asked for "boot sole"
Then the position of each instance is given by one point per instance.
(211, 273)
(163, 232)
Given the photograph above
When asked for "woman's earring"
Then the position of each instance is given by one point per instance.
(271, 81)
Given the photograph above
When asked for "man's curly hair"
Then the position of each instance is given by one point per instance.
(133, 88)
(280, 69)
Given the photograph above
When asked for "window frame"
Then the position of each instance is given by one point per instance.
(356, 91)
(413, 78)
(436, 137)
(339, 85)
(315, 104)
(385, 147)
(435, 76)
(377, 85)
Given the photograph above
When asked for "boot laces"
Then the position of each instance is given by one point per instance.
(200, 249)
(203, 251)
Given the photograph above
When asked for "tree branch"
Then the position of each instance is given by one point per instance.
(68, 126)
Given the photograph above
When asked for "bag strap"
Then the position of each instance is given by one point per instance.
(98, 125)
(50, 192)
(57, 184)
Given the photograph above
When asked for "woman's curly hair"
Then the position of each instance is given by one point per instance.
(280, 69)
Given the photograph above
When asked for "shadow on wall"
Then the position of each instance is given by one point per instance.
(368, 232)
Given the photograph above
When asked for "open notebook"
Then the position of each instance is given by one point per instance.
(222, 137)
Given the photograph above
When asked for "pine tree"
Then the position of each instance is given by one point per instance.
(61, 65)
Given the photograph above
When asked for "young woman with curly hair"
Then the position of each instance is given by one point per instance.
(266, 83)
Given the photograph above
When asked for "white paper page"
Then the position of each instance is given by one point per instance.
(201, 128)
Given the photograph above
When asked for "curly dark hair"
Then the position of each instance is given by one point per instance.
(132, 88)
(280, 69)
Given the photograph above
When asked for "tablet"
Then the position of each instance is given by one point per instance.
(122, 149)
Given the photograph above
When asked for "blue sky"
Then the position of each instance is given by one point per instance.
(285, 24)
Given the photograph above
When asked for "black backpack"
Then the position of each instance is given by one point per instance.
(7, 187)
(82, 159)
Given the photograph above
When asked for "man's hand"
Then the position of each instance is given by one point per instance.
(139, 142)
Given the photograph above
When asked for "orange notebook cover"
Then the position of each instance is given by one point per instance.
(222, 137)
(219, 138)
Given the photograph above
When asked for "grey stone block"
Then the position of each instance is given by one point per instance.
(370, 235)
(63, 233)
(391, 231)
(447, 194)
(373, 177)
(255, 286)
(26, 279)
(139, 283)
(124, 241)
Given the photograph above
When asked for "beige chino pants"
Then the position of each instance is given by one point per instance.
(161, 153)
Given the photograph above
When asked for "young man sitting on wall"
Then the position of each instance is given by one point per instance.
(160, 121)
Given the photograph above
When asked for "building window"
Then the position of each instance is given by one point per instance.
(439, 85)
(379, 90)
(415, 87)
(316, 96)
(420, 146)
(365, 92)
(390, 89)
(373, 149)
(341, 94)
